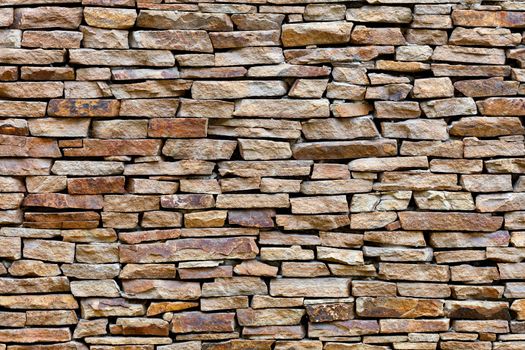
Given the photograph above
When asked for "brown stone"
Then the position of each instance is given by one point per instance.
(472, 18)
(42, 302)
(155, 58)
(185, 322)
(190, 249)
(182, 40)
(394, 271)
(177, 127)
(502, 106)
(48, 17)
(35, 335)
(296, 287)
(107, 307)
(383, 307)
(330, 311)
(161, 289)
(110, 18)
(449, 221)
(484, 310)
(265, 317)
(344, 149)
(184, 20)
(408, 326)
(343, 328)
(316, 33)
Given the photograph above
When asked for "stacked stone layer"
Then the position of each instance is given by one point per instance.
(262, 175)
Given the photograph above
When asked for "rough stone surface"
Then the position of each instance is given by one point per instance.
(262, 175)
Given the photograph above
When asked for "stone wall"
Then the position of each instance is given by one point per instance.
(262, 175)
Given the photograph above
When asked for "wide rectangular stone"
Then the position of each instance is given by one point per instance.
(379, 14)
(339, 128)
(190, 249)
(250, 56)
(253, 201)
(31, 89)
(110, 307)
(180, 40)
(412, 272)
(209, 90)
(469, 240)
(349, 328)
(48, 17)
(411, 326)
(35, 335)
(85, 168)
(195, 321)
(393, 307)
(184, 20)
(336, 55)
(239, 39)
(315, 33)
(39, 301)
(310, 222)
(83, 108)
(22, 109)
(449, 221)
(53, 39)
(63, 201)
(31, 57)
(59, 127)
(416, 129)
(55, 251)
(178, 127)
(501, 106)
(344, 149)
(90, 57)
(473, 18)
(387, 164)
(283, 108)
(312, 287)
(202, 149)
(469, 55)
(500, 202)
(319, 205)
(265, 317)
(161, 289)
(115, 147)
(21, 146)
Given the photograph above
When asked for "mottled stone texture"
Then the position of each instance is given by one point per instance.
(262, 175)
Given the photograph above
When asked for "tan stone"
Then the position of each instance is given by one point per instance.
(182, 40)
(501, 106)
(377, 36)
(161, 289)
(472, 18)
(398, 307)
(296, 287)
(264, 317)
(156, 58)
(48, 17)
(343, 328)
(409, 326)
(107, 307)
(339, 128)
(264, 149)
(304, 34)
(34, 335)
(449, 221)
(111, 18)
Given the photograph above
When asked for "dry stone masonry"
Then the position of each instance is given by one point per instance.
(262, 175)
